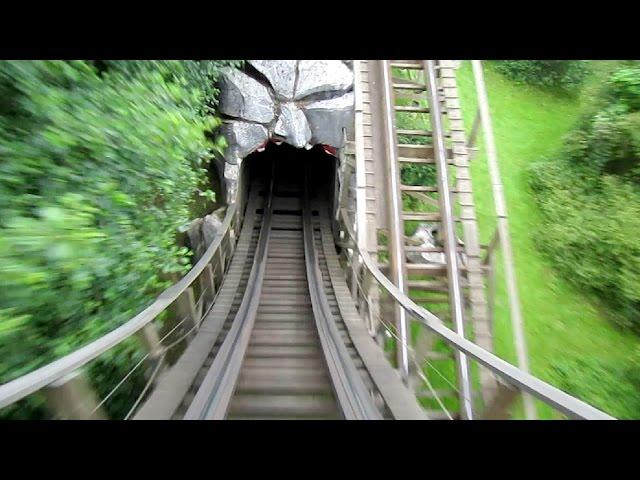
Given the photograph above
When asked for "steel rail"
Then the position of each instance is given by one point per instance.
(563, 402)
(354, 400)
(19, 388)
(450, 242)
(396, 260)
(214, 395)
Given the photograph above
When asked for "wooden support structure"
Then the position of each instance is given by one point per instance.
(72, 398)
(185, 308)
(207, 285)
(500, 406)
(396, 243)
(422, 153)
(367, 156)
(471, 143)
(150, 340)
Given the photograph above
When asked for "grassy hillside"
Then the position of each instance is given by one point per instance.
(561, 324)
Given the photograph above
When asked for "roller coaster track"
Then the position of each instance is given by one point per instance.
(238, 382)
(290, 299)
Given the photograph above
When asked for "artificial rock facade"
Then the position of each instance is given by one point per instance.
(299, 102)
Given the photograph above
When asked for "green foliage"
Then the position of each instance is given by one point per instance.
(416, 174)
(591, 230)
(99, 167)
(548, 73)
(590, 199)
(613, 386)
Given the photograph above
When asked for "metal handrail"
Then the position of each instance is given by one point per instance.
(20, 387)
(450, 240)
(502, 230)
(396, 237)
(549, 394)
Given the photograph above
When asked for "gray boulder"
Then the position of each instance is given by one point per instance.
(428, 235)
(202, 232)
(211, 225)
(231, 173)
(327, 118)
(280, 73)
(316, 76)
(292, 126)
(243, 138)
(244, 97)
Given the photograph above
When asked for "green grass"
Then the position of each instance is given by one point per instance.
(561, 323)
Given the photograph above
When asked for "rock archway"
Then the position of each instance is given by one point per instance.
(299, 102)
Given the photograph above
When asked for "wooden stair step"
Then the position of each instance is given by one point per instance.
(414, 248)
(407, 65)
(420, 133)
(409, 109)
(415, 62)
(409, 86)
(417, 188)
(429, 161)
(427, 217)
(409, 150)
(427, 286)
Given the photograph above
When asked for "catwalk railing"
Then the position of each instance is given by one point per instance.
(63, 382)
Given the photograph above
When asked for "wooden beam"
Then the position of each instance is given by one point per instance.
(501, 404)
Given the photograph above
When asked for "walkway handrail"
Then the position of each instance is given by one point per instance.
(450, 239)
(19, 388)
(549, 394)
(502, 230)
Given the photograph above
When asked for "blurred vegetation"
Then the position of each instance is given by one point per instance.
(567, 74)
(100, 163)
(590, 199)
(602, 382)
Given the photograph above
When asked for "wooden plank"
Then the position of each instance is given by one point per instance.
(417, 188)
(424, 217)
(406, 66)
(405, 85)
(409, 109)
(428, 161)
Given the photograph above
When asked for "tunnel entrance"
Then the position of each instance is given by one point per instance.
(288, 165)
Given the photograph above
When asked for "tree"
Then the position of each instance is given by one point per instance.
(590, 199)
(100, 163)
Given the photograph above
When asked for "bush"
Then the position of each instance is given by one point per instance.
(100, 165)
(547, 73)
(591, 229)
(590, 200)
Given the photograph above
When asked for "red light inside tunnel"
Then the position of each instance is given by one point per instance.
(262, 147)
(329, 149)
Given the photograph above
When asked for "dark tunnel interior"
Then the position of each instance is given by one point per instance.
(288, 165)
